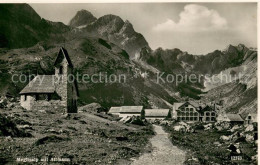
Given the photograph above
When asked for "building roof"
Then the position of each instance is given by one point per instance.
(234, 117)
(63, 53)
(156, 112)
(177, 105)
(40, 84)
(131, 109)
(195, 104)
(206, 108)
(114, 110)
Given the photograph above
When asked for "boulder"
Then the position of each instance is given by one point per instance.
(222, 125)
(93, 107)
(3, 102)
(183, 127)
(249, 138)
(234, 128)
(254, 158)
(225, 138)
(164, 122)
(179, 128)
(208, 126)
(249, 128)
(217, 143)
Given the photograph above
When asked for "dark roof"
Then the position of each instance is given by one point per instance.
(156, 112)
(63, 53)
(40, 84)
(206, 108)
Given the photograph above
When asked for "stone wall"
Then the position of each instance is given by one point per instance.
(31, 104)
(27, 104)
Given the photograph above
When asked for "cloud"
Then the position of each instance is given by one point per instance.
(194, 18)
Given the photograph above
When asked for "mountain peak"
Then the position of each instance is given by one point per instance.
(82, 17)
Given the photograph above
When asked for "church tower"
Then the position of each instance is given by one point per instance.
(65, 83)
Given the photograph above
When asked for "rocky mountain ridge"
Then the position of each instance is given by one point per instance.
(109, 44)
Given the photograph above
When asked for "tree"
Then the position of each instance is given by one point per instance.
(143, 114)
(169, 115)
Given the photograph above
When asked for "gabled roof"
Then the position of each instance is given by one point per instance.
(177, 105)
(253, 116)
(40, 84)
(63, 53)
(131, 109)
(195, 104)
(234, 117)
(207, 108)
(156, 112)
(114, 110)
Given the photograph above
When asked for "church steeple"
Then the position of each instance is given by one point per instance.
(63, 64)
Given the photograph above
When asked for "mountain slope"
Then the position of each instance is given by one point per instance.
(114, 29)
(240, 95)
(83, 17)
(110, 45)
(174, 60)
(21, 26)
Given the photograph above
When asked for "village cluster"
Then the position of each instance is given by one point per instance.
(188, 111)
(42, 93)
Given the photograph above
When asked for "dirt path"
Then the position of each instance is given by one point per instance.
(163, 151)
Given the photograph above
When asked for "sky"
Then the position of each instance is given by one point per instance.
(197, 28)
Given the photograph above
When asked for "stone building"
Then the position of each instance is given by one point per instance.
(193, 112)
(207, 113)
(53, 91)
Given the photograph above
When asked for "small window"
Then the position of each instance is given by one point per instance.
(212, 114)
(195, 118)
(25, 97)
(207, 114)
(195, 114)
(61, 70)
(183, 118)
(212, 118)
(249, 118)
(207, 118)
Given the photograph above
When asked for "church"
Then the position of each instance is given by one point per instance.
(53, 91)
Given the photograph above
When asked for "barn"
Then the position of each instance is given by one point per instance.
(156, 114)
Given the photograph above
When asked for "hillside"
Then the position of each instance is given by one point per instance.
(21, 26)
(110, 45)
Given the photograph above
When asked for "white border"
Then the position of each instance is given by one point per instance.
(126, 1)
